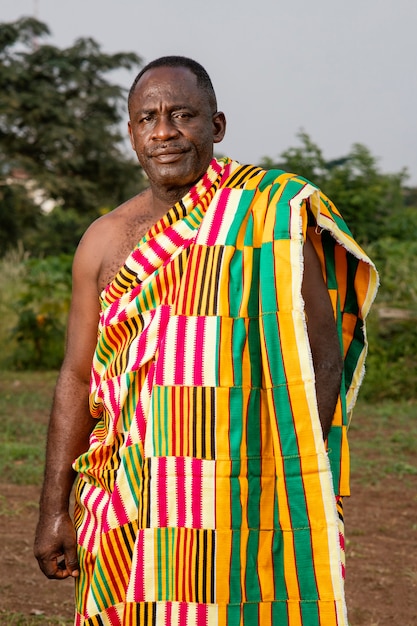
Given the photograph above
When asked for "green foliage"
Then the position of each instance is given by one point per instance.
(392, 327)
(403, 222)
(367, 199)
(397, 265)
(18, 216)
(42, 311)
(58, 232)
(391, 368)
(306, 160)
(12, 273)
(60, 128)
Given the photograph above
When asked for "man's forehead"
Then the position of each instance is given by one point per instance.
(173, 78)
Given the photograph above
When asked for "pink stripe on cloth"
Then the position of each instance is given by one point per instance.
(197, 192)
(116, 503)
(162, 492)
(183, 613)
(202, 615)
(197, 496)
(179, 372)
(218, 217)
(90, 518)
(142, 343)
(168, 613)
(175, 239)
(113, 400)
(139, 588)
(141, 259)
(199, 350)
(180, 471)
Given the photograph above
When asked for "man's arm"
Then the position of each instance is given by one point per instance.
(70, 423)
(322, 333)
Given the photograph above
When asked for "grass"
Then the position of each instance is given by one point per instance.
(383, 441)
(25, 400)
(17, 619)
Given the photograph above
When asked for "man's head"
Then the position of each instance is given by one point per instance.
(174, 123)
(203, 79)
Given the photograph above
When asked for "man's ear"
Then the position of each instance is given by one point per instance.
(129, 130)
(219, 126)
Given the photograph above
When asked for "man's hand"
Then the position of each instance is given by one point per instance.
(55, 547)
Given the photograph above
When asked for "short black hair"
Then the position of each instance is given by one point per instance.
(203, 79)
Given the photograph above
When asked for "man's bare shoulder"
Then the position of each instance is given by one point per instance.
(109, 240)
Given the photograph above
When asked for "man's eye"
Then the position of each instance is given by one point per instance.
(182, 115)
(146, 118)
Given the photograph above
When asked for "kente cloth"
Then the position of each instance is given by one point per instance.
(207, 496)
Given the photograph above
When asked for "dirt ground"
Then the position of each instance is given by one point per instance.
(381, 524)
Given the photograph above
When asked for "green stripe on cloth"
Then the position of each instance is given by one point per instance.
(244, 207)
(253, 590)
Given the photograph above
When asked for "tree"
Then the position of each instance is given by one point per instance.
(60, 121)
(18, 214)
(368, 199)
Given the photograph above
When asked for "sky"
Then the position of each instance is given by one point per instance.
(344, 72)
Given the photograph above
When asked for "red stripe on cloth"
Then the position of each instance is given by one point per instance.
(113, 616)
(111, 560)
(194, 291)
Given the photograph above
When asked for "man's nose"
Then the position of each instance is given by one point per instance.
(164, 128)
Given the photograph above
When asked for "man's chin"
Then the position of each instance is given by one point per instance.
(174, 175)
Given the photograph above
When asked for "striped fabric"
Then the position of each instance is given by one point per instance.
(207, 496)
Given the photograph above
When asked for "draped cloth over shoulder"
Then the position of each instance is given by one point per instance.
(207, 496)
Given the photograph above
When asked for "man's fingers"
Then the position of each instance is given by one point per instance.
(54, 567)
(66, 566)
(59, 566)
(55, 547)
(72, 566)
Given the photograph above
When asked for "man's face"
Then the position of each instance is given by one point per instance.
(172, 127)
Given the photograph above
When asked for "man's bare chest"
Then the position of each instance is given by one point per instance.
(118, 250)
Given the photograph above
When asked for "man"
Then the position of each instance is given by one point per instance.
(213, 455)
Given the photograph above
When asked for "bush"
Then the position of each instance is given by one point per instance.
(391, 367)
(43, 306)
(392, 327)
(58, 232)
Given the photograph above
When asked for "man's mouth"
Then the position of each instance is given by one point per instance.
(167, 155)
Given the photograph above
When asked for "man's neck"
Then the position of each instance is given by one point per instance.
(163, 199)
